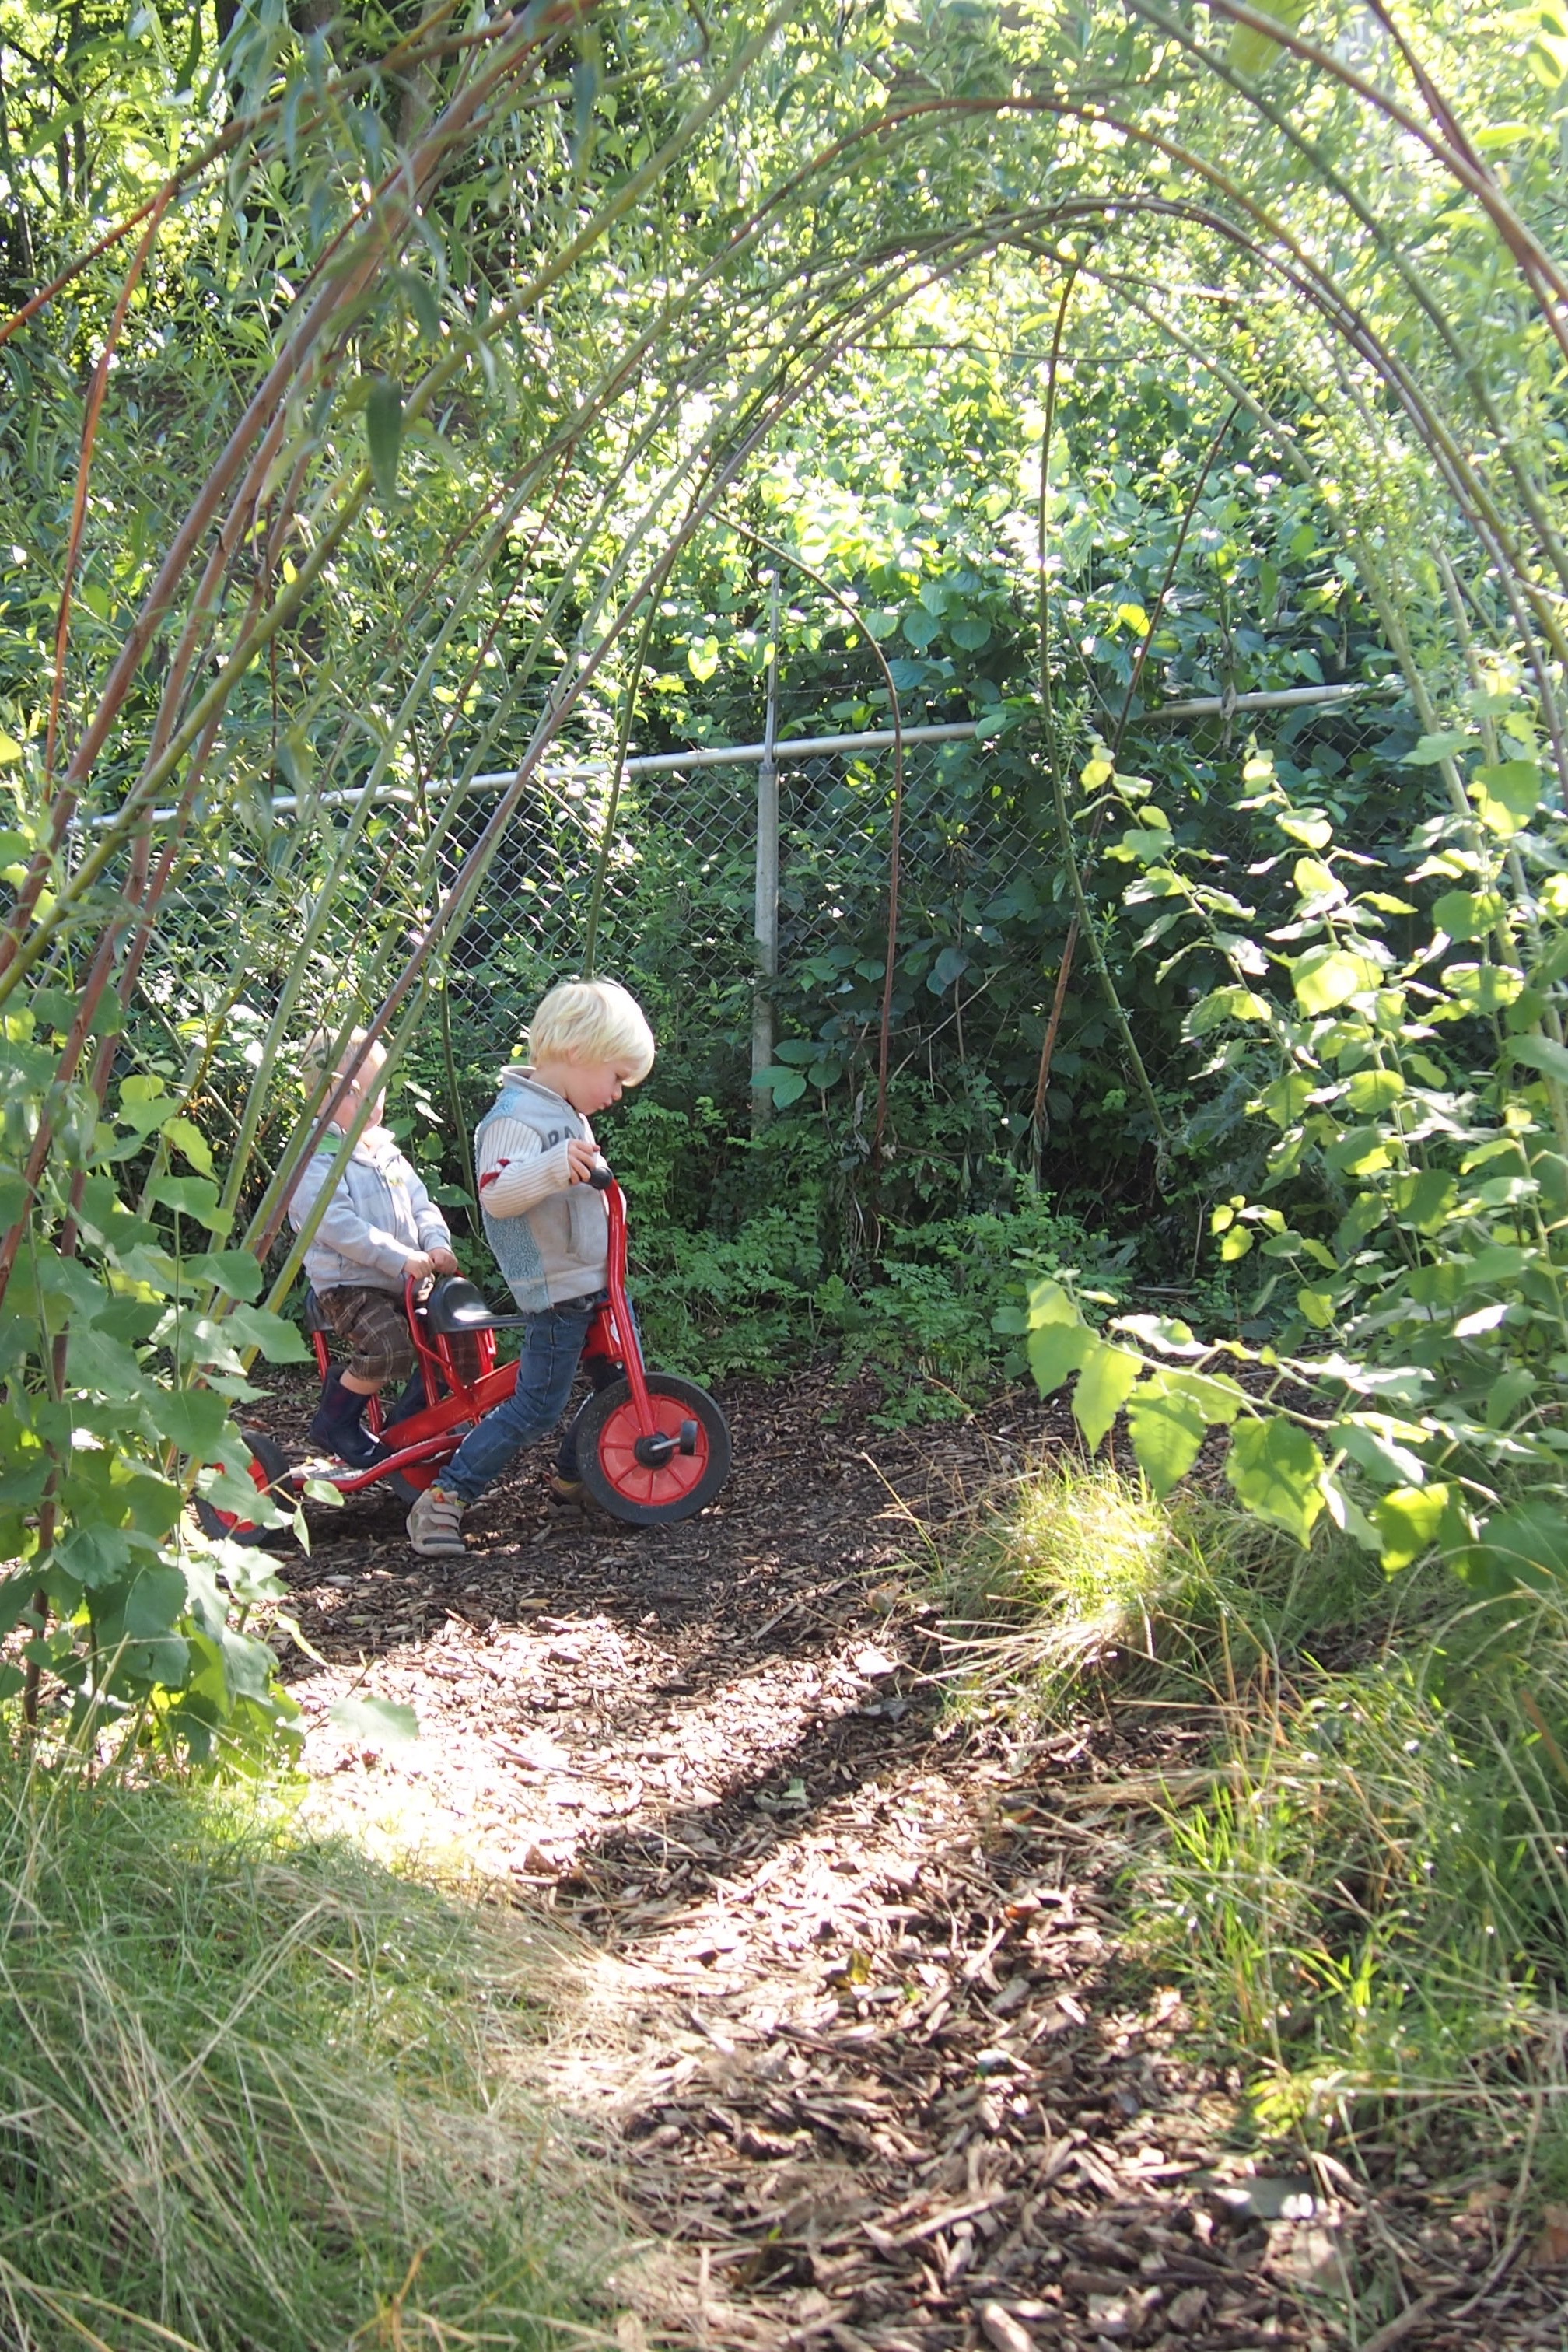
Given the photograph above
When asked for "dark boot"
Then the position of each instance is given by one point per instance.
(413, 1400)
(337, 1427)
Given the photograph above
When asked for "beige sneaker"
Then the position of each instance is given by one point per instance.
(435, 1525)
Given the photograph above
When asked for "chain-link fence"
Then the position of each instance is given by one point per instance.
(735, 879)
(690, 871)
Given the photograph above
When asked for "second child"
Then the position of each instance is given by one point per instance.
(534, 1154)
(380, 1227)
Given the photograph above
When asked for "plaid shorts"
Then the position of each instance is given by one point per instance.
(372, 1325)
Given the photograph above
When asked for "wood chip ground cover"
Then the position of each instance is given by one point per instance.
(851, 2014)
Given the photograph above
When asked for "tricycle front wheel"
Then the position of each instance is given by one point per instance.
(653, 1494)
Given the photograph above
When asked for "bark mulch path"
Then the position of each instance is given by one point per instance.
(853, 2011)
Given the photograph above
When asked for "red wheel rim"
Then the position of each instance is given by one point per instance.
(231, 1519)
(635, 1479)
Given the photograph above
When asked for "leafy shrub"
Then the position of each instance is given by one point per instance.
(950, 1307)
(710, 1308)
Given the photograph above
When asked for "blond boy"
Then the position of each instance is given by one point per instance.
(533, 1155)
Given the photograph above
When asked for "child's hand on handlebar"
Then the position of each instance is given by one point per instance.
(418, 1264)
(443, 1262)
(582, 1159)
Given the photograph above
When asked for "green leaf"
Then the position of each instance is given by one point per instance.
(1372, 1090)
(191, 1143)
(950, 965)
(1360, 1151)
(787, 1085)
(1424, 1202)
(969, 632)
(192, 1419)
(156, 1603)
(1214, 1394)
(98, 1361)
(1105, 1382)
(1286, 1099)
(1507, 797)
(234, 1270)
(1312, 830)
(379, 1719)
(1411, 1519)
(1432, 749)
(383, 433)
(1278, 1473)
(1168, 1429)
(702, 658)
(1527, 1545)
(96, 1557)
(1054, 1349)
(1543, 1054)
(192, 1196)
(257, 1326)
(1372, 1444)
(1050, 1303)
(1225, 1004)
(1484, 987)
(1252, 52)
(1468, 914)
(1326, 977)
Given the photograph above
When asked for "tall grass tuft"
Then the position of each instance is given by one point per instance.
(253, 2094)
(1075, 1570)
(1375, 1905)
(1366, 1901)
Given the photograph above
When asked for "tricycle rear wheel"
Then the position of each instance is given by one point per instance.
(270, 1470)
(642, 1494)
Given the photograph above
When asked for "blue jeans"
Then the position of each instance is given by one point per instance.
(551, 1347)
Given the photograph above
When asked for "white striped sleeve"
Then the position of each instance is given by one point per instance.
(514, 1171)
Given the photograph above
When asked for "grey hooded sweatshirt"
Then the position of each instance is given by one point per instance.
(379, 1216)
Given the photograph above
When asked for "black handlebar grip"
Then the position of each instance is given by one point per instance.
(600, 1178)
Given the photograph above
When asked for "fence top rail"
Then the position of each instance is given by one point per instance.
(786, 751)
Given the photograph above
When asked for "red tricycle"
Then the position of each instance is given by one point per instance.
(651, 1448)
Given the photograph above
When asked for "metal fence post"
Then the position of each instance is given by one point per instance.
(765, 928)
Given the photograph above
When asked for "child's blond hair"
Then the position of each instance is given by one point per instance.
(592, 1021)
(320, 1062)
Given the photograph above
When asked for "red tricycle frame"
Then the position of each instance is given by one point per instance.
(651, 1448)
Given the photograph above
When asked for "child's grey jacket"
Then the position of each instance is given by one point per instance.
(556, 1247)
(379, 1216)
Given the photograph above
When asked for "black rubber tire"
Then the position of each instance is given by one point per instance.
(267, 1457)
(601, 1446)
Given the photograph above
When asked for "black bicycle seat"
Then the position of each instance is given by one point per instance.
(456, 1305)
(314, 1319)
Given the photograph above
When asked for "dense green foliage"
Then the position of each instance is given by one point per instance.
(417, 395)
